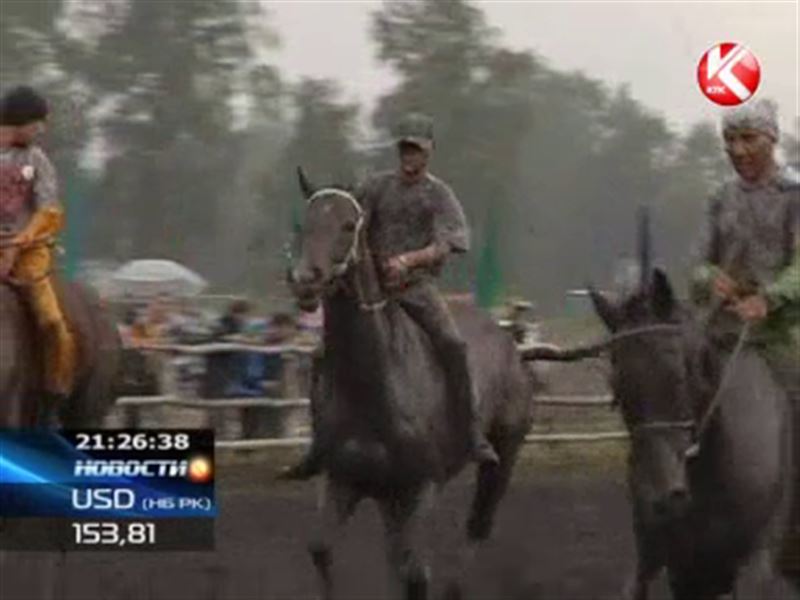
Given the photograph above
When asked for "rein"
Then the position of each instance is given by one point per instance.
(700, 426)
(712, 407)
(351, 257)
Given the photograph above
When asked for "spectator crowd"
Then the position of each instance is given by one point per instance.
(147, 327)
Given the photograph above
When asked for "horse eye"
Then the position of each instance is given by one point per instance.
(349, 226)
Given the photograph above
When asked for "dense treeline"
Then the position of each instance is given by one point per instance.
(177, 137)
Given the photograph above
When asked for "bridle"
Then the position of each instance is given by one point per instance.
(696, 427)
(663, 328)
(351, 257)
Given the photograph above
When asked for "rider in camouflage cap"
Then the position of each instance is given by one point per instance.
(415, 223)
(417, 129)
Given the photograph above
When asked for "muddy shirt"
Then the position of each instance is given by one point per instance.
(403, 217)
(27, 183)
(751, 232)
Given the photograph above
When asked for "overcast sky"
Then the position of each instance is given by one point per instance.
(652, 46)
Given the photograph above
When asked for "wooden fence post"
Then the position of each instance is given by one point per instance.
(291, 387)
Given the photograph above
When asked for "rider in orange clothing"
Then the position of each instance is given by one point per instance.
(30, 217)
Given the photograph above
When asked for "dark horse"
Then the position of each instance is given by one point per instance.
(395, 434)
(20, 392)
(21, 363)
(710, 462)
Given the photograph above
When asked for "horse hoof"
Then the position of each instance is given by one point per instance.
(296, 473)
(633, 591)
(453, 592)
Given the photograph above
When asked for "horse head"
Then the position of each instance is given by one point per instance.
(651, 380)
(330, 240)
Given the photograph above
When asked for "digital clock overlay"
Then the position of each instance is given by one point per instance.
(111, 488)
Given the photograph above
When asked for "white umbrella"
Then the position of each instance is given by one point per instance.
(154, 277)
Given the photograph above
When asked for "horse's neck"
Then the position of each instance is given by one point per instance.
(355, 327)
(746, 440)
(364, 274)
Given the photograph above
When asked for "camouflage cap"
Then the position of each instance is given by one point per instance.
(417, 129)
(761, 115)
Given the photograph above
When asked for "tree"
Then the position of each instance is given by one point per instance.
(554, 160)
(476, 93)
(33, 46)
(165, 89)
(322, 141)
(698, 167)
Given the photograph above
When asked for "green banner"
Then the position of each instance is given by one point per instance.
(490, 277)
(75, 230)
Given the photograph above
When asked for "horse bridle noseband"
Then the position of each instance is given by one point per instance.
(697, 427)
(351, 257)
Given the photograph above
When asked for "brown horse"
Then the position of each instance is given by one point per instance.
(21, 375)
(21, 366)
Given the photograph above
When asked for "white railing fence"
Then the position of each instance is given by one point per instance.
(289, 411)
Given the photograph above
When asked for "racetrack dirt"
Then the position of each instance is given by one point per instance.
(562, 533)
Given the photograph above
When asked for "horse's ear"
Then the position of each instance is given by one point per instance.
(305, 185)
(661, 296)
(604, 308)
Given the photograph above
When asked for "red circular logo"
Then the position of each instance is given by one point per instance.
(728, 74)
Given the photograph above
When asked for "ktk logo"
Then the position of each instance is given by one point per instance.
(728, 74)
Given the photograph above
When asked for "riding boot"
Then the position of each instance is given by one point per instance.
(49, 406)
(481, 450)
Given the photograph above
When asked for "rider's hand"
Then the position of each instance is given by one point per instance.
(24, 238)
(752, 309)
(724, 286)
(395, 270)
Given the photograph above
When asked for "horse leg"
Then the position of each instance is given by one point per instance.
(336, 503)
(491, 484)
(694, 586)
(402, 516)
(758, 576)
(638, 587)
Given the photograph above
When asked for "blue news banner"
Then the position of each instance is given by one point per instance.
(107, 489)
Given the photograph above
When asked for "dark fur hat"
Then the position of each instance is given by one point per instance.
(22, 105)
